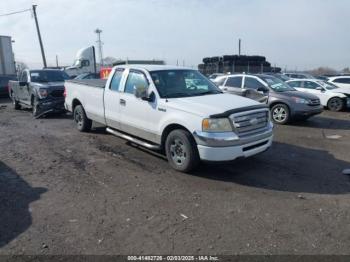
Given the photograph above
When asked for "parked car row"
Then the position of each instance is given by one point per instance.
(177, 110)
(288, 98)
(285, 102)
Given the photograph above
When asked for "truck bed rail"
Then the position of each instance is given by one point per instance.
(89, 82)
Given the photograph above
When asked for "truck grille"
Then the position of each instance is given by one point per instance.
(246, 123)
(57, 93)
(314, 102)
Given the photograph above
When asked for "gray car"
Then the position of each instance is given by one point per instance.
(285, 102)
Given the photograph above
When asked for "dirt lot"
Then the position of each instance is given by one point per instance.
(64, 192)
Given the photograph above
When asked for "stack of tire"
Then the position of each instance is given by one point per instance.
(236, 64)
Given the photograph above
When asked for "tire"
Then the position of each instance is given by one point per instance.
(335, 104)
(280, 114)
(181, 151)
(15, 103)
(83, 123)
(35, 106)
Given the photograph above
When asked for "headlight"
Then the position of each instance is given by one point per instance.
(216, 125)
(299, 100)
(43, 93)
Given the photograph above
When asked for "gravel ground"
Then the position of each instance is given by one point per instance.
(64, 192)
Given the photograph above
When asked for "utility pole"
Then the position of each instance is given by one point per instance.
(39, 36)
(239, 46)
(56, 60)
(99, 42)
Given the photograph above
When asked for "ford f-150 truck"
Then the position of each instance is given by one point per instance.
(42, 90)
(172, 109)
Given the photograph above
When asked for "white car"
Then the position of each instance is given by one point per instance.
(341, 81)
(299, 76)
(331, 96)
(173, 109)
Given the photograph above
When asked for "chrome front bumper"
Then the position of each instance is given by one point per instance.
(226, 139)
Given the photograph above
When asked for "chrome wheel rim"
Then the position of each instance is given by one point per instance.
(335, 104)
(279, 114)
(78, 117)
(178, 152)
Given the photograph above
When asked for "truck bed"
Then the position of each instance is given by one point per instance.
(90, 82)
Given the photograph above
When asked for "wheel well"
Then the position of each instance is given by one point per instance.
(275, 103)
(170, 128)
(75, 103)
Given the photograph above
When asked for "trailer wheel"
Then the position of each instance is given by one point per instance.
(83, 123)
(181, 151)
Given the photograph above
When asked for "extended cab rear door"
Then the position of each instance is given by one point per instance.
(112, 93)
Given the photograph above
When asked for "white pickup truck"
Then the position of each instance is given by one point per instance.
(172, 109)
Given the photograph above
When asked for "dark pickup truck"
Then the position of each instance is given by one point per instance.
(42, 90)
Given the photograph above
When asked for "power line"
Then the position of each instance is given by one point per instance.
(17, 12)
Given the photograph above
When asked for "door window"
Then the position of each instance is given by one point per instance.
(342, 80)
(220, 82)
(310, 85)
(135, 79)
(116, 80)
(234, 82)
(252, 83)
(296, 84)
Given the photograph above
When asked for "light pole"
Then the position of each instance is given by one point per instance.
(99, 42)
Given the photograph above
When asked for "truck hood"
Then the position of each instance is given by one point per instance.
(207, 105)
(342, 90)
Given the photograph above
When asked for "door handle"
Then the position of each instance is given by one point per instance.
(122, 102)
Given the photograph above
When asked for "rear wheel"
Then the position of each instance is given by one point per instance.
(181, 151)
(280, 114)
(335, 104)
(83, 123)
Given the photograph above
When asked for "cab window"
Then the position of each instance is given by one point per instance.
(116, 80)
(135, 79)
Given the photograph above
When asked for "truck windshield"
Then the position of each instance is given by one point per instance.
(182, 83)
(276, 84)
(48, 76)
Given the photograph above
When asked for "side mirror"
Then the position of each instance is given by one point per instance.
(320, 88)
(263, 89)
(22, 83)
(142, 93)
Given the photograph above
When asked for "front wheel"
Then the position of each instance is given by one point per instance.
(181, 151)
(15, 103)
(35, 106)
(335, 104)
(280, 114)
(83, 123)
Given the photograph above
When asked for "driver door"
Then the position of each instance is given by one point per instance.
(311, 87)
(256, 90)
(138, 117)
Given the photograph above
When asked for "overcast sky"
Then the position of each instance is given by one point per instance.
(300, 34)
